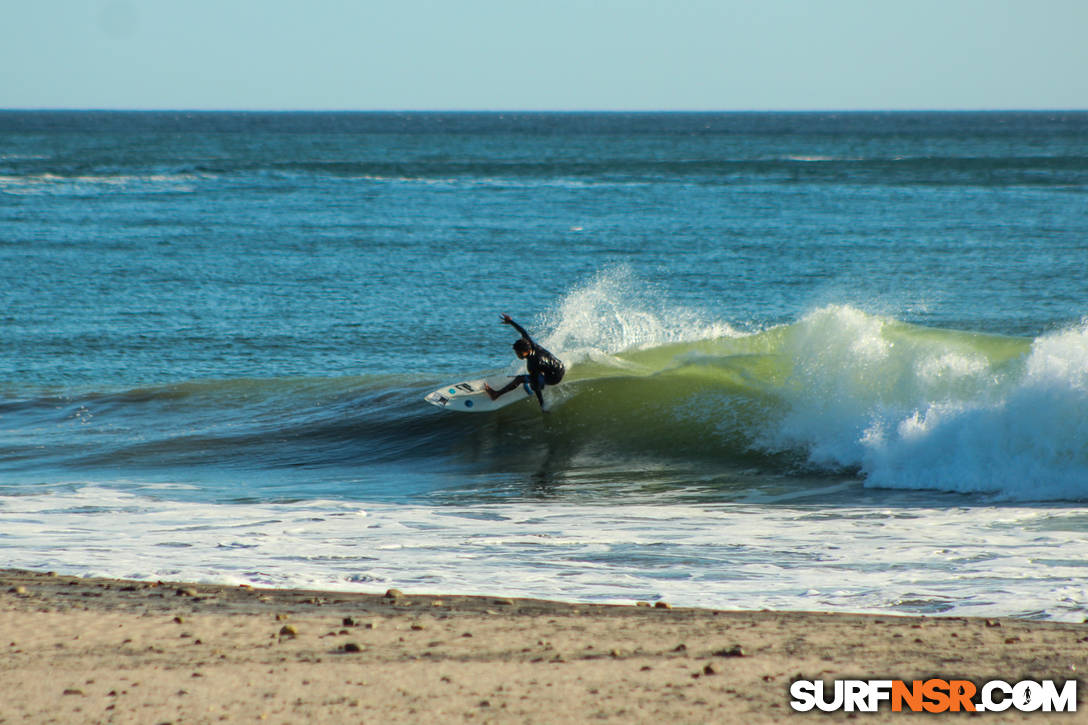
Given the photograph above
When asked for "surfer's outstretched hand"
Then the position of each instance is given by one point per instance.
(507, 320)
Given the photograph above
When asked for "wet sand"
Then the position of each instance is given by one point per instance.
(110, 651)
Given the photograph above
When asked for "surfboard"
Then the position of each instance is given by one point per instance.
(470, 397)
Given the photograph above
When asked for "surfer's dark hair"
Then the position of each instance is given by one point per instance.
(521, 346)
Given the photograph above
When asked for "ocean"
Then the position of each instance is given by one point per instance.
(816, 361)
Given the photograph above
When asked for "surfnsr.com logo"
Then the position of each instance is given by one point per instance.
(933, 695)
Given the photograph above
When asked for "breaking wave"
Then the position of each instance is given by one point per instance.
(838, 391)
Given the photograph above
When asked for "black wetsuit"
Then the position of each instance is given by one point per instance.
(542, 368)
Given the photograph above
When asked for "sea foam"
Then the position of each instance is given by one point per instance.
(617, 312)
(913, 408)
(950, 561)
(1024, 439)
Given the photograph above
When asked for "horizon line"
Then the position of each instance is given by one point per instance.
(108, 109)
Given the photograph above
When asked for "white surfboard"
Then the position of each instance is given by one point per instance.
(470, 396)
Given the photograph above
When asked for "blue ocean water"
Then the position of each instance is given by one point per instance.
(819, 361)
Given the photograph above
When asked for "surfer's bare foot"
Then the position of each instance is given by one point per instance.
(490, 393)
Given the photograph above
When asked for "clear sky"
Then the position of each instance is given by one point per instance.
(544, 54)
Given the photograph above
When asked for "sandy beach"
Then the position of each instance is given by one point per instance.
(110, 651)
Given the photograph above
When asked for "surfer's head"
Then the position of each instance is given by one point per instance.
(521, 348)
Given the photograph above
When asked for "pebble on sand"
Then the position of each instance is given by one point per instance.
(734, 651)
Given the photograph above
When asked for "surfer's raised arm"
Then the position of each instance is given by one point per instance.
(508, 320)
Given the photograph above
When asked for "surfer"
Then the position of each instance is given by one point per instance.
(542, 368)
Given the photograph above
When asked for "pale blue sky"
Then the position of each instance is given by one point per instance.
(553, 54)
